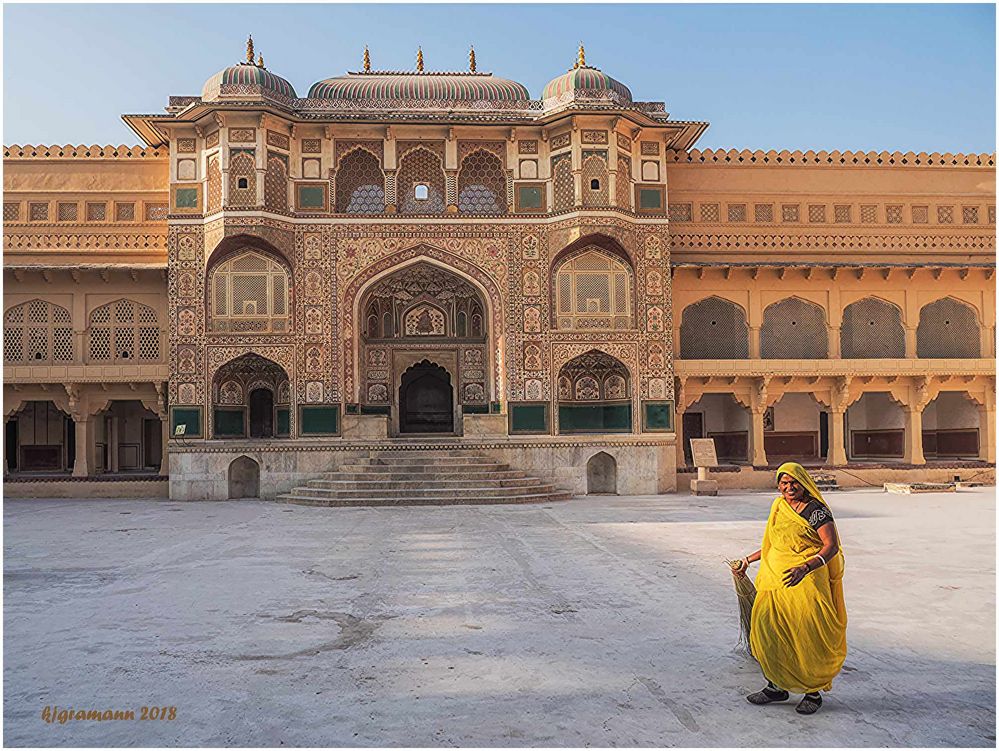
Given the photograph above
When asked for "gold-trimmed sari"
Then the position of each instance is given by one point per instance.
(798, 634)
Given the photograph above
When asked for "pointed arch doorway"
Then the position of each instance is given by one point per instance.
(426, 400)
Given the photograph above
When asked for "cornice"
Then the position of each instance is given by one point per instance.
(347, 444)
(82, 241)
(745, 157)
(724, 242)
(69, 151)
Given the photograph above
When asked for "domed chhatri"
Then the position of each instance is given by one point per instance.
(401, 87)
(248, 79)
(582, 81)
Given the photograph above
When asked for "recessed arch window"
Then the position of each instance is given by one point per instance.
(124, 331)
(360, 185)
(37, 332)
(593, 291)
(249, 293)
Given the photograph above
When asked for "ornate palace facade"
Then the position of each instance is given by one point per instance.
(423, 259)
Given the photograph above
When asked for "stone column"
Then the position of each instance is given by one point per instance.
(112, 441)
(681, 460)
(987, 433)
(914, 435)
(910, 343)
(83, 426)
(165, 441)
(837, 438)
(834, 343)
(754, 342)
(756, 447)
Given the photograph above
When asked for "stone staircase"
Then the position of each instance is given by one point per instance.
(423, 478)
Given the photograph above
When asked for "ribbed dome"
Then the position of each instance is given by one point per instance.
(589, 82)
(246, 79)
(403, 86)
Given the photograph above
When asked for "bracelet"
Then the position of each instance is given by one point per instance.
(819, 557)
(746, 561)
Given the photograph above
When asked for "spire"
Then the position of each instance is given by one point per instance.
(471, 59)
(249, 49)
(581, 61)
(367, 60)
(260, 61)
(419, 59)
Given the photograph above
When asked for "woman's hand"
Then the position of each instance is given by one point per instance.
(740, 567)
(793, 576)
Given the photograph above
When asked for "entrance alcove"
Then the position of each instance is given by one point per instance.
(796, 429)
(244, 479)
(426, 399)
(601, 474)
(875, 424)
(251, 396)
(721, 417)
(951, 427)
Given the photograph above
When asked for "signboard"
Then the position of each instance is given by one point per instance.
(180, 430)
(703, 451)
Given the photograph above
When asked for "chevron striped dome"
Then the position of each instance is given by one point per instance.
(402, 86)
(590, 80)
(246, 79)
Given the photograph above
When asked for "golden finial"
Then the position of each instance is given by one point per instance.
(249, 49)
(419, 59)
(471, 59)
(581, 62)
(260, 61)
(367, 60)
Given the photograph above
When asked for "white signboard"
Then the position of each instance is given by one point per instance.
(703, 451)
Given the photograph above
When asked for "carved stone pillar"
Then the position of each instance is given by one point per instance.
(83, 426)
(910, 343)
(754, 342)
(834, 343)
(837, 438)
(759, 453)
(914, 434)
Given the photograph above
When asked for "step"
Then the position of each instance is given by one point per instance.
(422, 468)
(407, 483)
(303, 500)
(424, 491)
(500, 474)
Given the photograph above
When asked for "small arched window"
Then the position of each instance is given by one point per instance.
(948, 328)
(360, 184)
(124, 331)
(37, 332)
(481, 184)
(249, 293)
(593, 291)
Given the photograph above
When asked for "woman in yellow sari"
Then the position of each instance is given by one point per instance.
(798, 627)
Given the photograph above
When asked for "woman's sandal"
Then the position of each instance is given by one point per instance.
(809, 704)
(768, 695)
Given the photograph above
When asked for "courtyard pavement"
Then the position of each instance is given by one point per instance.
(601, 621)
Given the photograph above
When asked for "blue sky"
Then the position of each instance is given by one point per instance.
(881, 77)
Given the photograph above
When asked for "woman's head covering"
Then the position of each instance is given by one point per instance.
(800, 474)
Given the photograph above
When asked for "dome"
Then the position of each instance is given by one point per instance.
(589, 83)
(247, 79)
(419, 86)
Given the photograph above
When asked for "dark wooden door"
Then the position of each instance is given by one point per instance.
(261, 413)
(426, 400)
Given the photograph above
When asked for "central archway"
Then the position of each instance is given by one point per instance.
(426, 400)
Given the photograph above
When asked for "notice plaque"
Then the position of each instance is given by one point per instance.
(703, 451)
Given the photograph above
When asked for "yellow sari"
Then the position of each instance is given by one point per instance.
(798, 634)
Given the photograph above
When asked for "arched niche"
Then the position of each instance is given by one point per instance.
(594, 392)
(948, 328)
(601, 474)
(251, 398)
(244, 479)
(794, 329)
(714, 329)
(872, 328)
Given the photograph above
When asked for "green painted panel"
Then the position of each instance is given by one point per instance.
(650, 198)
(187, 416)
(657, 416)
(187, 198)
(320, 420)
(283, 421)
(375, 409)
(529, 197)
(229, 422)
(311, 197)
(475, 409)
(529, 418)
(352, 408)
(594, 418)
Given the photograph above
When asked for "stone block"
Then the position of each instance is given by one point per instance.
(475, 425)
(704, 487)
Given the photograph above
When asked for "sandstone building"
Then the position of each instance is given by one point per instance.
(428, 259)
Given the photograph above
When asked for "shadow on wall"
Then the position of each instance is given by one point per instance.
(601, 475)
(244, 479)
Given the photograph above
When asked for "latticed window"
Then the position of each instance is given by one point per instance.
(242, 180)
(893, 213)
(680, 212)
(709, 212)
(869, 214)
(872, 328)
(562, 181)
(214, 185)
(623, 187)
(920, 214)
(124, 331)
(948, 328)
(360, 184)
(945, 214)
(817, 213)
(249, 294)
(969, 214)
(276, 184)
(764, 212)
(481, 184)
(790, 212)
(737, 212)
(594, 174)
(593, 291)
(714, 329)
(421, 168)
(37, 332)
(842, 214)
(794, 329)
